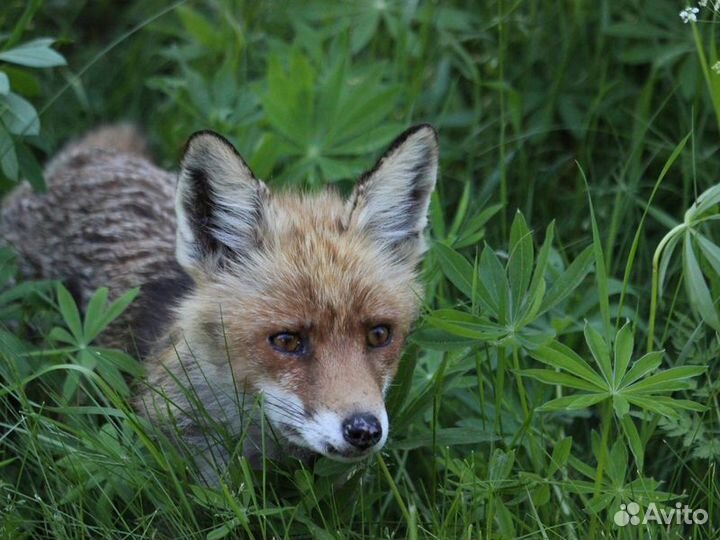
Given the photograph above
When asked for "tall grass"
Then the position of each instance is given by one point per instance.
(566, 362)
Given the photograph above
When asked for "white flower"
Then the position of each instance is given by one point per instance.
(716, 5)
(689, 14)
(716, 67)
(703, 3)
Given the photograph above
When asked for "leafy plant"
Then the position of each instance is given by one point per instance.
(324, 121)
(612, 382)
(703, 211)
(79, 334)
(310, 93)
(507, 301)
(19, 120)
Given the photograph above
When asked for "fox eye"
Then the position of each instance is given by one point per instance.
(379, 336)
(286, 342)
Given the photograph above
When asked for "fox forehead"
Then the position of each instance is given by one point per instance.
(314, 270)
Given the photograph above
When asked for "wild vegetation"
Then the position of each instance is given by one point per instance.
(566, 360)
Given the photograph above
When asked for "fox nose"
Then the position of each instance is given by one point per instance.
(362, 431)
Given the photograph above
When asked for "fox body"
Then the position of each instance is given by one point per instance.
(301, 300)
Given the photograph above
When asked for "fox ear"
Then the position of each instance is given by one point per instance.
(219, 204)
(390, 202)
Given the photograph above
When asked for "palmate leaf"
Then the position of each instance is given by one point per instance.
(520, 262)
(707, 200)
(569, 280)
(621, 406)
(514, 295)
(497, 286)
(574, 403)
(697, 289)
(456, 268)
(664, 406)
(99, 318)
(537, 290)
(624, 342)
(666, 381)
(94, 311)
(560, 455)
(464, 324)
(70, 313)
(600, 351)
(633, 387)
(559, 356)
(633, 438)
(645, 364)
(472, 231)
(556, 377)
(698, 292)
(710, 250)
(436, 339)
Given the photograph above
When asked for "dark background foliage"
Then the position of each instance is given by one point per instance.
(597, 121)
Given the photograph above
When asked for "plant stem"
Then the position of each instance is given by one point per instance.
(518, 380)
(654, 282)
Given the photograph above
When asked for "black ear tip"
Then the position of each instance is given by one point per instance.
(202, 139)
(425, 133)
(421, 131)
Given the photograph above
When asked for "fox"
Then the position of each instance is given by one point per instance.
(302, 300)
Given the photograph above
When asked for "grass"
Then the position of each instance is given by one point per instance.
(566, 359)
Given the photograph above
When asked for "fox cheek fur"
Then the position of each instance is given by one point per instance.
(325, 271)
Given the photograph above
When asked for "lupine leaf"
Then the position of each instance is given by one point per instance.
(94, 312)
(568, 280)
(520, 262)
(575, 402)
(559, 356)
(70, 313)
(493, 275)
(560, 454)
(535, 297)
(666, 380)
(464, 324)
(698, 291)
(641, 367)
(456, 268)
(633, 438)
(600, 351)
(555, 377)
(624, 341)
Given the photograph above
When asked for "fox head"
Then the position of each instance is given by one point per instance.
(309, 297)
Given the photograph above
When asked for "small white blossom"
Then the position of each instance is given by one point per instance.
(716, 67)
(716, 5)
(703, 3)
(689, 14)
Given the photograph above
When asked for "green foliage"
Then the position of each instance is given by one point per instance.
(523, 406)
(19, 121)
(613, 381)
(78, 335)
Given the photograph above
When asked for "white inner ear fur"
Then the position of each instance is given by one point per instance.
(232, 196)
(391, 203)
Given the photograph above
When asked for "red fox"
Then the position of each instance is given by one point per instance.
(302, 299)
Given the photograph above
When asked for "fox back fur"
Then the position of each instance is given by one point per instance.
(301, 300)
